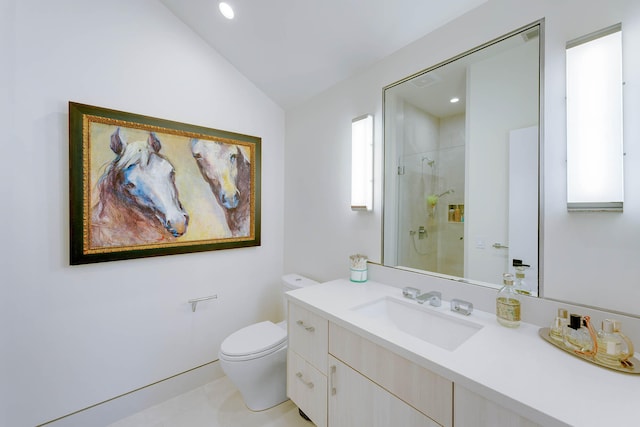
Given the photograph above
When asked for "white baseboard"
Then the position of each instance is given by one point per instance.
(112, 410)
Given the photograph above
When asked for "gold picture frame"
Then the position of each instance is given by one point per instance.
(142, 186)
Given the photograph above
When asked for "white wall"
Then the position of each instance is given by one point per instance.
(76, 336)
(585, 255)
(321, 230)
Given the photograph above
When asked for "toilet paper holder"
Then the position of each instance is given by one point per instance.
(194, 302)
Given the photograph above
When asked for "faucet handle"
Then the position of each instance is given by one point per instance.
(409, 292)
(462, 307)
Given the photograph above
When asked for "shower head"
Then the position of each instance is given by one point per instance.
(430, 161)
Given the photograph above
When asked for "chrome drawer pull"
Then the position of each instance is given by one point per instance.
(332, 380)
(308, 328)
(307, 383)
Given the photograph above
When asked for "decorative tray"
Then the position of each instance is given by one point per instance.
(634, 363)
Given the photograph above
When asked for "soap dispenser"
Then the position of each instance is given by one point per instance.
(614, 348)
(508, 303)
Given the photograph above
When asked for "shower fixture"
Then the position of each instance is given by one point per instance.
(430, 161)
(449, 191)
(422, 234)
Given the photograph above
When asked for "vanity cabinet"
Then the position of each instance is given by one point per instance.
(339, 378)
(307, 363)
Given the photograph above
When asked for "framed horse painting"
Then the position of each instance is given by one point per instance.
(142, 186)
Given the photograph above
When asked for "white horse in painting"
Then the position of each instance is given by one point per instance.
(228, 173)
(138, 199)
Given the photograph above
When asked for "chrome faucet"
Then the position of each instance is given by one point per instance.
(434, 298)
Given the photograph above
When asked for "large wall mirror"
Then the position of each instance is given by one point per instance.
(461, 193)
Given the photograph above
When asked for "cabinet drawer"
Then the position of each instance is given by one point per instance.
(426, 391)
(308, 336)
(307, 388)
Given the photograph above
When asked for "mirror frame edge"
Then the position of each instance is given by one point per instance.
(541, 63)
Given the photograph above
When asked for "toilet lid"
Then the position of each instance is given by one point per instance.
(256, 338)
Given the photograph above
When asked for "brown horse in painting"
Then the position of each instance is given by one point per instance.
(138, 199)
(228, 173)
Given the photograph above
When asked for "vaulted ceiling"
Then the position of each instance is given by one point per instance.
(295, 49)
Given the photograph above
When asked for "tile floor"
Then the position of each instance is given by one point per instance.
(216, 404)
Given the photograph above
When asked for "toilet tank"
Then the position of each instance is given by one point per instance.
(293, 281)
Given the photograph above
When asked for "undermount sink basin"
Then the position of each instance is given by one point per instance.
(419, 321)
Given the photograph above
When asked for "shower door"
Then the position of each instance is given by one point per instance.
(430, 233)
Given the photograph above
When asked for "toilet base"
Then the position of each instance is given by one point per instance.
(262, 382)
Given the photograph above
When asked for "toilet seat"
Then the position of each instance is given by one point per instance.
(253, 341)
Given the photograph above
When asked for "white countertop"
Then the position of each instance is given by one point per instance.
(513, 367)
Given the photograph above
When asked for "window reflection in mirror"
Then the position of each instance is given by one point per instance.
(462, 164)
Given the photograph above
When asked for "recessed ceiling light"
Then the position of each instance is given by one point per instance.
(226, 10)
(454, 100)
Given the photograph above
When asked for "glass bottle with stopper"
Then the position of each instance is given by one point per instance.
(508, 303)
(614, 348)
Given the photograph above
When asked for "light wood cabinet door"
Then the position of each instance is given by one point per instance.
(426, 391)
(356, 401)
(473, 410)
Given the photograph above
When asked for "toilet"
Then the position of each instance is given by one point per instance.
(254, 358)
